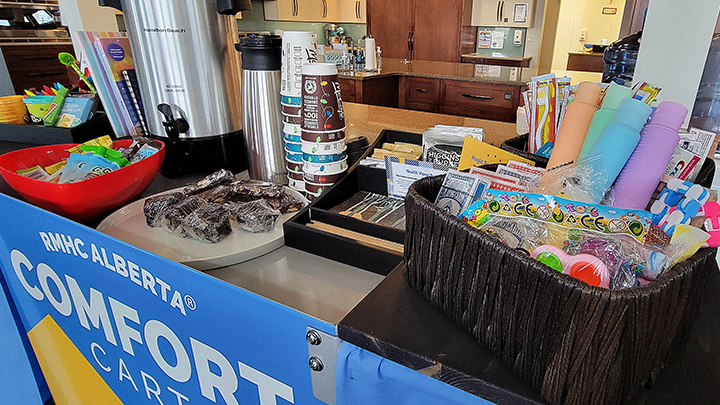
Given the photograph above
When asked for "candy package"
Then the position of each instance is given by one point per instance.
(109, 154)
(104, 141)
(74, 163)
(140, 148)
(37, 173)
(93, 167)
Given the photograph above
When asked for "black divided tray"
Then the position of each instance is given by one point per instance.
(359, 178)
(98, 125)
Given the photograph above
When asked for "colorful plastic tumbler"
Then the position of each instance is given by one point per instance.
(575, 125)
(614, 95)
(642, 173)
(615, 145)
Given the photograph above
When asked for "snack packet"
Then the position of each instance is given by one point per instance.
(74, 162)
(105, 141)
(94, 166)
(35, 173)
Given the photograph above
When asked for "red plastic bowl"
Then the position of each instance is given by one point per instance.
(85, 200)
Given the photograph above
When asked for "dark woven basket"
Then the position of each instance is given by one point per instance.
(575, 343)
(518, 146)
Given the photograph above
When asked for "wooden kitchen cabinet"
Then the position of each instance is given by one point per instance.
(390, 23)
(301, 10)
(480, 100)
(280, 10)
(492, 101)
(382, 91)
(36, 65)
(352, 11)
(329, 10)
(434, 30)
(422, 90)
(501, 13)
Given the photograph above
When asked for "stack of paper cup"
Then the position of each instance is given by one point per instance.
(324, 153)
(299, 48)
(293, 156)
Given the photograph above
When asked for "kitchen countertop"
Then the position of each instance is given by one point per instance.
(480, 56)
(586, 53)
(439, 70)
(369, 120)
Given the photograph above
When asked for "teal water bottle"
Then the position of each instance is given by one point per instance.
(614, 95)
(615, 145)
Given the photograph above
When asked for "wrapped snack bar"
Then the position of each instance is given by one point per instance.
(209, 223)
(210, 181)
(256, 216)
(285, 203)
(222, 194)
(258, 189)
(173, 218)
(155, 207)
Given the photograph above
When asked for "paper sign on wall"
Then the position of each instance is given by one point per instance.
(494, 71)
(520, 15)
(498, 40)
(484, 39)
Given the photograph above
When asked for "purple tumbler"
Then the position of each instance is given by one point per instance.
(641, 175)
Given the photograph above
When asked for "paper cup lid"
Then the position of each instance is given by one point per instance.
(320, 69)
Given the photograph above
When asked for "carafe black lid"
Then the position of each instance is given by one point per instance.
(261, 41)
(260, 52)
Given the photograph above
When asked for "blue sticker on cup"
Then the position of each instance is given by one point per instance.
(294, 157)
(116, 52)
(324, 158)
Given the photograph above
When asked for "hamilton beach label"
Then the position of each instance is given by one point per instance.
(166, 30)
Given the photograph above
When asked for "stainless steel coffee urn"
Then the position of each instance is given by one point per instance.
(189, 74)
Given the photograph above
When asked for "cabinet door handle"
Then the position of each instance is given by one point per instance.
(409, 36)
(43, 74)
(357, 9)
(478, 97)
(412, 41)
(497, 12)
(422, 90)
(325, 10)
(502, 11)
(38, 57)
(297, 8)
